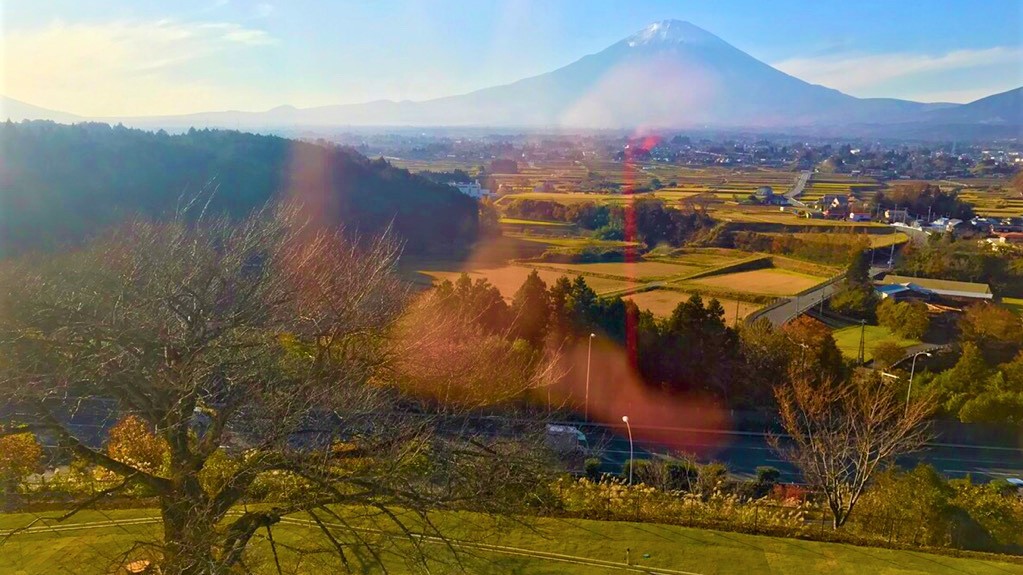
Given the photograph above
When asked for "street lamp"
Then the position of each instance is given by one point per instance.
(625, 418)
(912, 370)
(586, 405)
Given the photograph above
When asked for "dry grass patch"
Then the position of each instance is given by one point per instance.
(767, 281)
(641, 270)
(662, 302)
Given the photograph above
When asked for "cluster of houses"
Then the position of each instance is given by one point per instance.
(998, 231)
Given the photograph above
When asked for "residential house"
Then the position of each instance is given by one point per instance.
(471, 189)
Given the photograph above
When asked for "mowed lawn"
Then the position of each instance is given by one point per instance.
(662, 302)
(573, 547)
(772, 281)
(848, 340)
(508, 279)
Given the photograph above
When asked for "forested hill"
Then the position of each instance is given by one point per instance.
(59, 184)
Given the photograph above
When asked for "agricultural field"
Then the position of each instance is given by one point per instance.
(848, 340)
(838, 184)
(876, 240)
(568, 182)
(641, 270)
(770, 281)
(542, 547)
(662, 302)
(520, 222)
(998, 203)
(772, 215)
(992, 197)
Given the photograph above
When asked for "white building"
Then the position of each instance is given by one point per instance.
(472, 189)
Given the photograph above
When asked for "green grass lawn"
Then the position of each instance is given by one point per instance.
(848, 340)
(599, 546)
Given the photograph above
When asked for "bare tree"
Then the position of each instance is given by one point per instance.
(261, 348)
(841, 432)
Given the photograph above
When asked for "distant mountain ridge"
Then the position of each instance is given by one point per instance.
(1005, 108)
(671, 74)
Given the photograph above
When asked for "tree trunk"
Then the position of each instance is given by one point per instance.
(187, 537)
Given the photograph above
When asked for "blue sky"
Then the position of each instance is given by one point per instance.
(148, 57)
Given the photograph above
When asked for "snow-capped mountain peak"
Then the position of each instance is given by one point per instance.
(671, 32)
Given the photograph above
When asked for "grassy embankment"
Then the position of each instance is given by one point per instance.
(848, 340)
(546, 547)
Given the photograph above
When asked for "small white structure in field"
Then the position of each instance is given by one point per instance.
(471, 189)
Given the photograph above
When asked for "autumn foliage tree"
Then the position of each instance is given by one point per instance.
(841, 432)
(20, 455)
(995, 330)
(132, 442)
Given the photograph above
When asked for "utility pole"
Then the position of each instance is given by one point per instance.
(863, 333)
(586, 400)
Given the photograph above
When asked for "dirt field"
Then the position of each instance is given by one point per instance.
(508, 279)
(662, 302)
(641, 270)
(767, 281)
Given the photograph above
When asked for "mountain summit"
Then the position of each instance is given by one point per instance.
(671, 32)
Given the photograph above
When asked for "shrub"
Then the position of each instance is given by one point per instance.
(789, 494)
(614, 500)
(680, 475)
(999, 517)
(910, 505)
(643, 472)
(768, 475)
(711, 477)
(592, 469)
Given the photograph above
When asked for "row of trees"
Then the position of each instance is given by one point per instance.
(693, 350)
(944, 257)
(833, 249)
(922, 199)
(647, 220)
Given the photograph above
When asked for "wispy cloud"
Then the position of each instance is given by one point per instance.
(263, 10)
(863, 74)
(123, 67)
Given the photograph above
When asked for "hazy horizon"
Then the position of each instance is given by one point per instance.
(145, 58)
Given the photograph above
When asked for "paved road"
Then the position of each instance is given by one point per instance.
(796, 306)
(743, 452)
(920, 348)
(797, 189)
